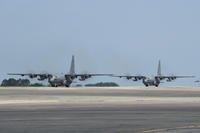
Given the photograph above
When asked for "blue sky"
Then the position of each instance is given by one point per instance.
(106, 36)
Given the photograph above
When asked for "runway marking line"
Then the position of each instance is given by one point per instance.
(168, 129)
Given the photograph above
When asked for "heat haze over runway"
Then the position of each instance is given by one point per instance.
(122, 109)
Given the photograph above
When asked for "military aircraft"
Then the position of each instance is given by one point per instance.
(152, 81)
(64, 80)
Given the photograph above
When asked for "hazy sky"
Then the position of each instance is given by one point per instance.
(106, 36)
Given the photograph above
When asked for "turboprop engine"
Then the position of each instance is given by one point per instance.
(32, 76)
(170, 79)
(84, 77)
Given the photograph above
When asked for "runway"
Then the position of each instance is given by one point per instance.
(111, 110)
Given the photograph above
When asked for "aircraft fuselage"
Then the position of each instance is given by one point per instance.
(60, 81)
(151, 82)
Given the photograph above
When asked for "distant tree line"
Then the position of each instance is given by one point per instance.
(19, 82)
(26, 82)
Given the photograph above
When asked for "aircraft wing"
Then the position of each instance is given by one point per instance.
(79, 75)
(173, 77)
(84, 76)
(133, 77)
(93, 74)
(20, 74)
(34, 75)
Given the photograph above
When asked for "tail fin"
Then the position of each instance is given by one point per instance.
(72, 68)
(159, 68)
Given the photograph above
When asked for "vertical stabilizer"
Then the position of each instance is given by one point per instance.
(72, 68)
(159, 68)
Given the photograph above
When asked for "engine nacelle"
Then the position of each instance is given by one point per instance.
(40, 78)
(159, 78)
(173, 78)
(32, 76)
(84, 77)
(70, 77)
(128, 78)
(170, 79)
(135, 79)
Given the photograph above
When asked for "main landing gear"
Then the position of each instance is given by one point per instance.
(66, 85)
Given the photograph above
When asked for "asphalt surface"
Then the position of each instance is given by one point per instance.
(91, 110)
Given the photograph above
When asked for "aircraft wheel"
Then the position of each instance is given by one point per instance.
(66, 85)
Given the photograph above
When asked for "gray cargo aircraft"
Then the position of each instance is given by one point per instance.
(64, 80)
(152, 81)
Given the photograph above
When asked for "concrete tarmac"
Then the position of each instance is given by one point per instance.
(91, 110)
